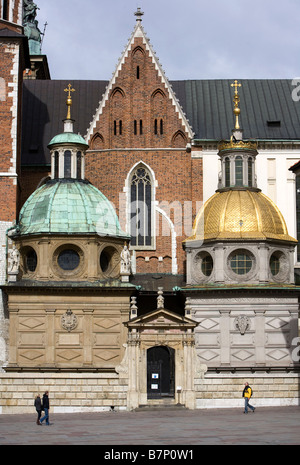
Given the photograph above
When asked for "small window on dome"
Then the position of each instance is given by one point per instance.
(67, 173)
(56, 162)
(274, 264)
(31, 260)
(250, 172)
(238, 171)
(79, 165)
(109, 262)
(68, 259)
(241, 262)
(104, 261)
(207, 265)
(227, 172)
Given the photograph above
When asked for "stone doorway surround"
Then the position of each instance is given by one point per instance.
(160, 327)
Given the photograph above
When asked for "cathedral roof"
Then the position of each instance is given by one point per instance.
(240, 214)
(268, 111)
(69, 206)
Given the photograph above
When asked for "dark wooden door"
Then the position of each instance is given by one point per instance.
(160, 372)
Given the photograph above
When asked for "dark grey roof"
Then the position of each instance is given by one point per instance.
(44, 109)
(267, 108)
(268, 111)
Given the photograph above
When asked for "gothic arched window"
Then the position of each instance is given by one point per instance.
(141, 207)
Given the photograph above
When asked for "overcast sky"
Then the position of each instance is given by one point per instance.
(193, 39)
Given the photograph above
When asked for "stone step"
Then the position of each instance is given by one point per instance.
(160, 406)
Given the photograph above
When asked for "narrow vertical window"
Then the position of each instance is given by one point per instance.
(115, 128)
(5, 10)
(138, 72)
(135, 127)
(250, 173)
(238, 171)
(56, 162)
(120, 127)
(161, 127)
(227, 172)
(79, 164)
(67, 168)
(141, 126)
(140, 207)
(155, 126)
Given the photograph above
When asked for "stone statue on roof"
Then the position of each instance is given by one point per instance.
(31, 29)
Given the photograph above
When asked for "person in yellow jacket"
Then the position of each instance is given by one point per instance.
(247, 393)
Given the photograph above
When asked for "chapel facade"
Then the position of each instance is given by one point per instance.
(124, 283)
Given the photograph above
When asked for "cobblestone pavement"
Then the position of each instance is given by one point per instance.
(172, 429)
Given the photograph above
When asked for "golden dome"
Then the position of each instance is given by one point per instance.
(240, 214)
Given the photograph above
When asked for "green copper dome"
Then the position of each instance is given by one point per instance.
(69, 206)
(68, 138)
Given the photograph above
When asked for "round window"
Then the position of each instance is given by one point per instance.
(68, 260)
(31, 260)
(109, 261)
(241, 262)
(207, 265)
(275, 264)
(104, 261)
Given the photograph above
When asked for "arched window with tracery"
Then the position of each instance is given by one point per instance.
(141, 207)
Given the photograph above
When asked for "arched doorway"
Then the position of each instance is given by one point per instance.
(160, 372)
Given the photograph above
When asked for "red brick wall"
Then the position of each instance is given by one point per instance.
(7, 189)
(139, 94)
(11, 70)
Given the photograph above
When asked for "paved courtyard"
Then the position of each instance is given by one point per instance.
(169, 428)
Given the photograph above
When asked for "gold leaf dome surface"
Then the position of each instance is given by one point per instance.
(240, 214)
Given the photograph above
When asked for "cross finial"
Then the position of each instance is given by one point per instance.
(236, 101)
(236, 84)
(69, 89)
(139, 14)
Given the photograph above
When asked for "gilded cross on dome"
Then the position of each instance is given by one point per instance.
(236, 101)
(69, 89)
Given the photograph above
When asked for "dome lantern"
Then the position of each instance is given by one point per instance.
(237, 155)
(68, 149)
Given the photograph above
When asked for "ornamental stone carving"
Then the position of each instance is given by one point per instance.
(242, 323)
(69, 321)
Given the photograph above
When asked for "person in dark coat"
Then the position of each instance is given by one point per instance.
(46, 407)
(38, 407)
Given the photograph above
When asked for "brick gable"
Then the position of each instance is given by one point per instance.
(139, 120)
